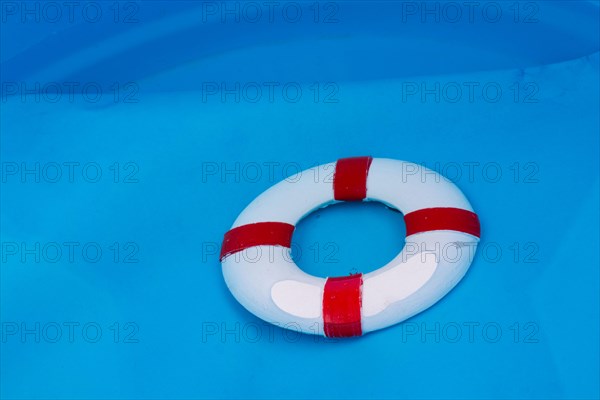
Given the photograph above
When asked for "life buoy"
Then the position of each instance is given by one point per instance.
(442, 233)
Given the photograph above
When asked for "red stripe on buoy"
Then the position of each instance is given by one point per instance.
(350, 179)
(436, 219)
(258, 234)
(341, 306)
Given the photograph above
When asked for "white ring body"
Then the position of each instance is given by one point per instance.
(266, 281)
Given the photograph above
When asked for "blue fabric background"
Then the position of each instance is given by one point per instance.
(522, 324)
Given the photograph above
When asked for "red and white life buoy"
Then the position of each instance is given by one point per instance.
(442, 232)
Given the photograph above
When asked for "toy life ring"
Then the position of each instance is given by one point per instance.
(441, 229)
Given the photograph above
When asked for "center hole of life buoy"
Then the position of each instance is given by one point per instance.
(348, 238)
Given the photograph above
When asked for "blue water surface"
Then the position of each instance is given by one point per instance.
(131, 140)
